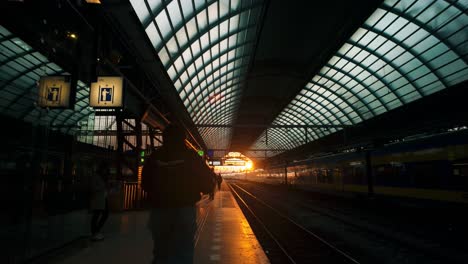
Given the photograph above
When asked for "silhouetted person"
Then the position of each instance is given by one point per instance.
(98, 204)
(214, 180)
(174, 178)
(219, 180)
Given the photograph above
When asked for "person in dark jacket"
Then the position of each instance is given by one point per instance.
(219, 180)
(98, 203)
(174, 178)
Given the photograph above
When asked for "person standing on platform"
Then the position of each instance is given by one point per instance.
(98, 204)
(219, 180)
(214, 179)
(174, 178)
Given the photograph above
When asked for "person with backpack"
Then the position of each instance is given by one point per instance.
(174, 178)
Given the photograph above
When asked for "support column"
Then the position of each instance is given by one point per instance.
(120, 142)
(286, 173)
(151, 136)
(370, 183)
(139, 147)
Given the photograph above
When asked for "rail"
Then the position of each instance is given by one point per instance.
(292, 255)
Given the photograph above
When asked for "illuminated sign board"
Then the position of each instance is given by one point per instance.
(107, 92)
(235, 162)
(214, 162)
(54, 91)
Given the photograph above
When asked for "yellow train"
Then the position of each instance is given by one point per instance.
(433, 168)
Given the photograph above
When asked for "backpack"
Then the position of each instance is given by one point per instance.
(175, 179)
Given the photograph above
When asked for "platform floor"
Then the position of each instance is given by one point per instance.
(224, 236)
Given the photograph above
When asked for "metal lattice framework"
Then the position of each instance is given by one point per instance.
(405, 50)
(206, 47)
(20, 69)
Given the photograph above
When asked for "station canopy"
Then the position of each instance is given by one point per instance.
(21, 67)
(406, 50)
(206, 48)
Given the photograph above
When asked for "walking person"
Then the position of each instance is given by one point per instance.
(174, 178)
(98, 203)
(219, 180)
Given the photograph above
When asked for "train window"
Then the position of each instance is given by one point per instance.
(324, 176)
(427, 174)
(315, 175)
(337, 175)
(354, 175)
(320, 176)
(330, 176)
(347, 175)
(460, 169)
(390, 175)
(459, 177)
(360, 175)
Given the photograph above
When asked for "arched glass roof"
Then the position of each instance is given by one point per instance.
(20, 69)
(206, 47)
(407, 49)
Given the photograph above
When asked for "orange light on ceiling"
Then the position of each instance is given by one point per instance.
(215, 98)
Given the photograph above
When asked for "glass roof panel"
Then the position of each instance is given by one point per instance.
(406, 49)
(203, 45)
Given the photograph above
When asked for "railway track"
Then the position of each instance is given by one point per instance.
(431, 250)
(296, 243)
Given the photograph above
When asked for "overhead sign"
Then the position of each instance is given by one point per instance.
(54, 91)
(107, 92)
(214, 162)
(234, 162)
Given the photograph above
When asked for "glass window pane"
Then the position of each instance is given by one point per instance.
(162, 22)
(174, 12)
(182, 37)
(187, 9)
(202, 20)
(191, 28)
(213, 12)
(140, 9)
(153, 35)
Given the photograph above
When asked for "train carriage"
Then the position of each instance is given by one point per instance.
(433, 167)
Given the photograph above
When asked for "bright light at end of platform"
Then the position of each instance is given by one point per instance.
(234, 162)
